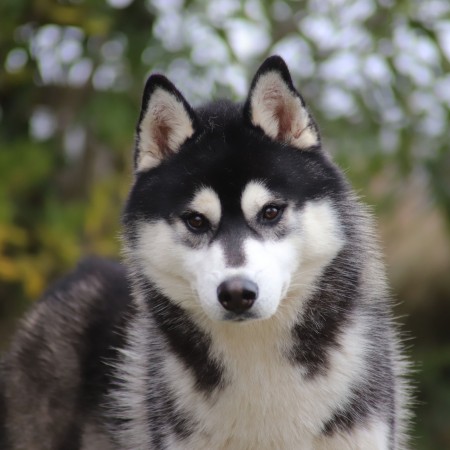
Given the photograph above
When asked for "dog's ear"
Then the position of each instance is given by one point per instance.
(165, 123)
(274, 105)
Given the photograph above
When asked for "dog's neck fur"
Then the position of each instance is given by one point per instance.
(254, 357)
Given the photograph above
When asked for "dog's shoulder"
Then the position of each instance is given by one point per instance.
(96, 291)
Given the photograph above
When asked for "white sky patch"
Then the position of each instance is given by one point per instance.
(433, 121)
(16, 60)
(167, 5)
(114, 49)
(234, 76)
(393, 115)
(442, 89)
(220, 10)
(426, 51)
(196, 34)
(356, 11)
(343, 67)
(42, 123)
(254, 10)
(179, 69)
(297, 54)
(71, 32)
(104, 77)
(50, 68)
(389, 139)
(443, 29)
(74, 142)
(421, 101)
(409, 66)
(80, 72)
(337, 102)
(197, 87)
(247, 39)
(168, 29)
(69, 50)
(433, 10)
(320, 29)
(46, 37)
(353, 38)
(377, 70)
(281, 11)
(119, 4)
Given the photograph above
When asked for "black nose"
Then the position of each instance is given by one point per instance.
(237, 294)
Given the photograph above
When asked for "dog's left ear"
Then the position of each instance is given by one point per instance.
(165, 123)
(274, 105)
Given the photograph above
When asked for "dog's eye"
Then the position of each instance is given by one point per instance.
(271, 213)
(196, 222)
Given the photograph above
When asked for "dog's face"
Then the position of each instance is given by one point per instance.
(232, 210)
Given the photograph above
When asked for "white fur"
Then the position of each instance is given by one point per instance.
(165, 126)
(130, 400)
(372, 436)
(268, 264)
(280, 113)
(322, 232)
(254, 197)
(206, 201)
(160, 255)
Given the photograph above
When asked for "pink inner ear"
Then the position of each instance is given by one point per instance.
(161, 133)
(289, 118)
(285, 119)
(280, 113)
(165, 126)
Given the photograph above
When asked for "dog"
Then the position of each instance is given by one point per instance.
(252, 311)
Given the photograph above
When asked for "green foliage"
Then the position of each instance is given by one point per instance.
(433, 407)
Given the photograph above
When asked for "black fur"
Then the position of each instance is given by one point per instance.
(186, 340)
(326, 314)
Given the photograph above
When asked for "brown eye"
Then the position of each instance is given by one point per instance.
(196, 222)
(271, 213)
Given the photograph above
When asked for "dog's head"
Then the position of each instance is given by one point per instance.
(232, 210)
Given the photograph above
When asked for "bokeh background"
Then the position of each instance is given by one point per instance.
(376, 74)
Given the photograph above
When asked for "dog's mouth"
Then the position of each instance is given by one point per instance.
(241, 317)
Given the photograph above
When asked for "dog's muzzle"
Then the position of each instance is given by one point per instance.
(237, 294)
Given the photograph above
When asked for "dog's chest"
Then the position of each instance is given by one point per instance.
(266, 402)
(262, 409)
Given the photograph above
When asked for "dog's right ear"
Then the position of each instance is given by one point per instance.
(277, 108)
(165, 123)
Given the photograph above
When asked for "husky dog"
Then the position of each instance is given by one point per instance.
(253, 312)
